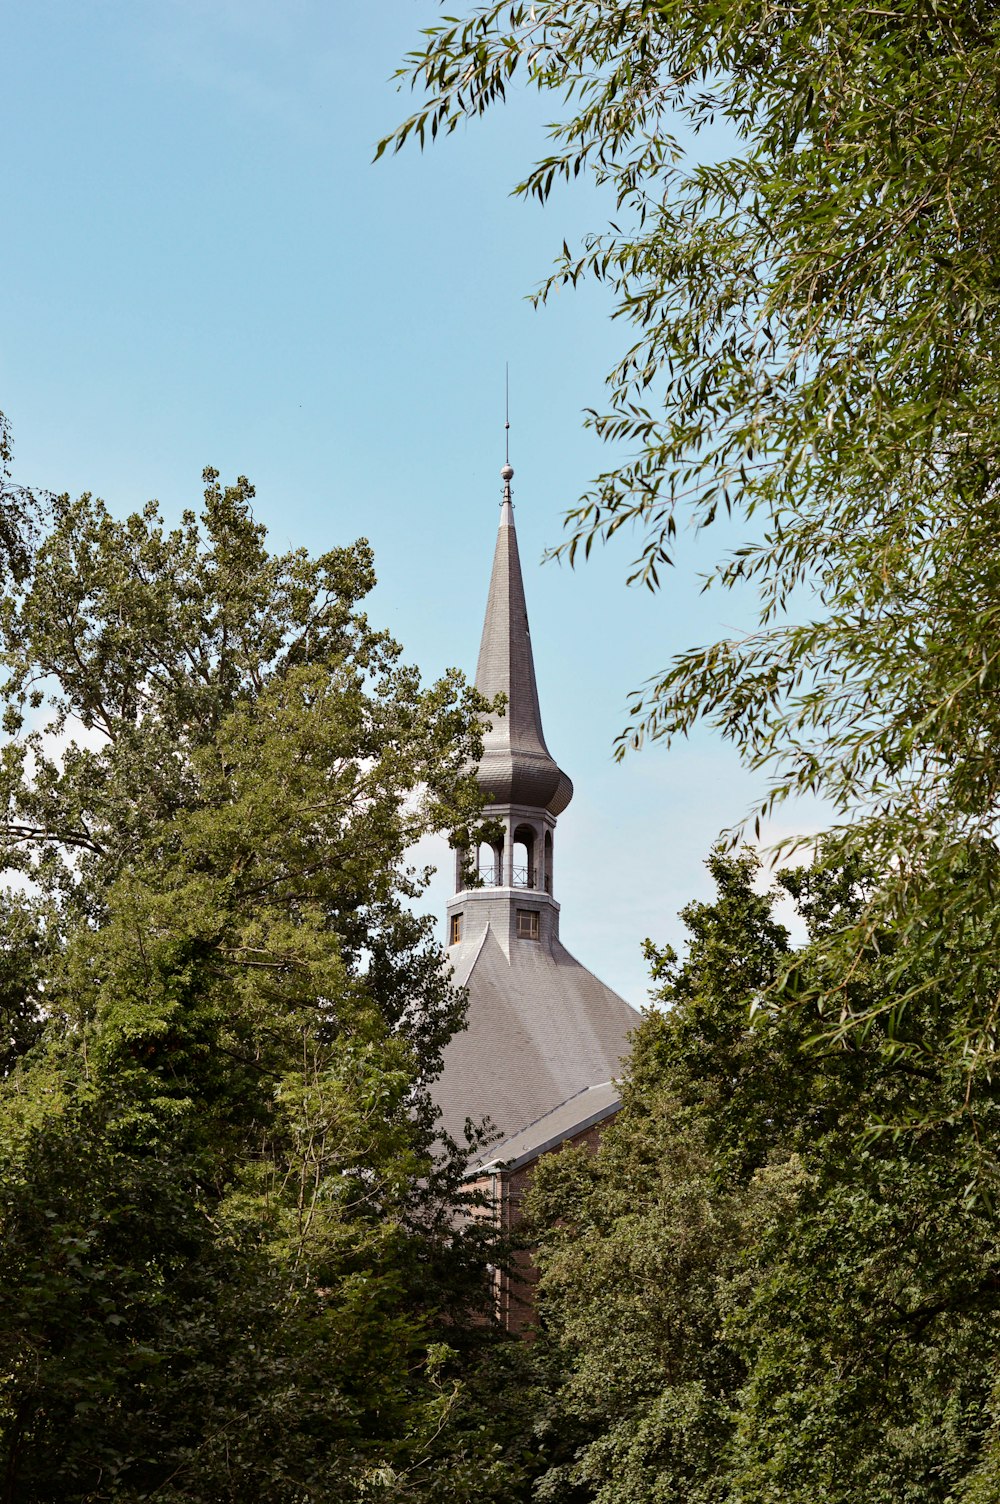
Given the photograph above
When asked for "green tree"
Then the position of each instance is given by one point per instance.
(230, 1263)
(753, 1297)
(19, 514)
(816, 344)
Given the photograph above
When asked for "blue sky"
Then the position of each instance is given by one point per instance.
(201, 265)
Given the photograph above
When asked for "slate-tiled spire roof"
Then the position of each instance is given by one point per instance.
(517, 767)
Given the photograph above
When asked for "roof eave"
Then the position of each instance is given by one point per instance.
(507, 1166)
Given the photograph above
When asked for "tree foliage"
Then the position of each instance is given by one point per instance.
(230, 1261)
(753, 1297)
(19, 514)
(816, 335)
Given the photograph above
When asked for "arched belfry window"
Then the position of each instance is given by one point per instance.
(489, 864)
(548, 861)
(524, 857)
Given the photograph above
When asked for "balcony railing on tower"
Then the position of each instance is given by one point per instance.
(492, 877)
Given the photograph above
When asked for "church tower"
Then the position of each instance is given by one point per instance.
(525, 788)
(545, 1038)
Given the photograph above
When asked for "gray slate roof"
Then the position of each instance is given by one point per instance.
(541, 1028)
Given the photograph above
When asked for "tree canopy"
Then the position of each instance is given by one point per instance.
(815, 339)
(231, 1263)
(19, 511)
(751, 1297)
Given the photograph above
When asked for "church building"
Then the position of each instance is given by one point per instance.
(545, 1038)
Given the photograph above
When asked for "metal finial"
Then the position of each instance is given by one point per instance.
(507, 475)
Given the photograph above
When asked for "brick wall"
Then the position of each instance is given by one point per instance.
(505, 1190)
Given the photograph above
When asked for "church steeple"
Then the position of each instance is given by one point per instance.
(524, 785)
(544, 1037)
(517, 767)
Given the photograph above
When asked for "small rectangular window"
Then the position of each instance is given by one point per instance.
(527, 924)
(455, 929)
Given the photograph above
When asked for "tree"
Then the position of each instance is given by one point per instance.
(230, 1260)
(19, 514)
(752, 1296)
(817, 336)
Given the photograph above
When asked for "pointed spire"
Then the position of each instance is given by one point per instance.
(516, 767)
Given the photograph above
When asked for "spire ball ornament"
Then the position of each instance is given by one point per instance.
(507, 473)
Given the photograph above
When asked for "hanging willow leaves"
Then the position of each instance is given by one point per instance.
(815, 347)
